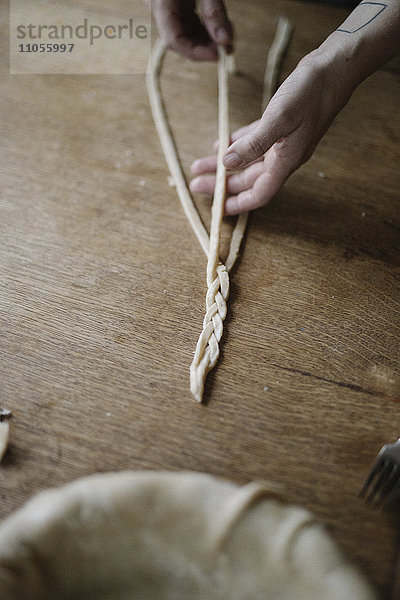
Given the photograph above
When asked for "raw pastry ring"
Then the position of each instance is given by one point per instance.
(169, 536)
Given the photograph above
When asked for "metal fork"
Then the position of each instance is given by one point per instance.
(382, 486)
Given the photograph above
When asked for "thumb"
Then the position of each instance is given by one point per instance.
(216, 21)
(250, 147)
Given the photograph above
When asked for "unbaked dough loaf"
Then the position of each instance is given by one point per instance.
(169, 536)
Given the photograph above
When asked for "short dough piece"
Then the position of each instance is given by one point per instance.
(274, 59)
(169, 536)
(4, 437)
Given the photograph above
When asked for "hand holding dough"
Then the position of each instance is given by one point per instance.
(207, 348)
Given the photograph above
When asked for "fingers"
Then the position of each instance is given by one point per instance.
(263, 190)
(236, 183)
(206, 164)
(196, 52)
(280, 162)
(217, 23)
(251, 146)
(244, 130)
(239, 133)
(261, 193)
(203, 185)
(255, 185)
(181, 30)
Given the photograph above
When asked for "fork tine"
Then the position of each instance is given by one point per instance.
(382, 486)
(387, 486)
(376, 467)
(394, 495)
(380, 479)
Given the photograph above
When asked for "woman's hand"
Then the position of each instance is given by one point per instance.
(182, 29)
(270, 149)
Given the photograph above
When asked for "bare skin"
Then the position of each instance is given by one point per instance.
(194, 34)
(285, 137)
(269, 150)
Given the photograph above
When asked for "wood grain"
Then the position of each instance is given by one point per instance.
(102, 290)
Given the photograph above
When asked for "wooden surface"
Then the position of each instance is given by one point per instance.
(103, 285)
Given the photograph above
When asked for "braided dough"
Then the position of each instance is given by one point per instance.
(169, 536)
(207, 349)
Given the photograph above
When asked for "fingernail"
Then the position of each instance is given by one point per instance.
(193, 185)
(230, 205)
(193, 166)
(232, 160)
(222, 36)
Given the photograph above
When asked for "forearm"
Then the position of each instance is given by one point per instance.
(367, 39)
(304, 107)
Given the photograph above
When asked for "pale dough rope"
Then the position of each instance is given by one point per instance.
(275, 55)
(4, 437)
(168, 144)
(207, 348)
(174, 164)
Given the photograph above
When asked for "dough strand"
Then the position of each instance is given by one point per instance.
(217, 210)
(207, 349)
(168, 144)
(274, 59)
(4, 437)
(174, 164)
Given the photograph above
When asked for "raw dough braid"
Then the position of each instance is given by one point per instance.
(207, 349)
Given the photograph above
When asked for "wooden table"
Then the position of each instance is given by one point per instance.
(103, 285)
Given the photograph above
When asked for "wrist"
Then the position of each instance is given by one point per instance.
(338, 64)
(367, 39)
(346, 55)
